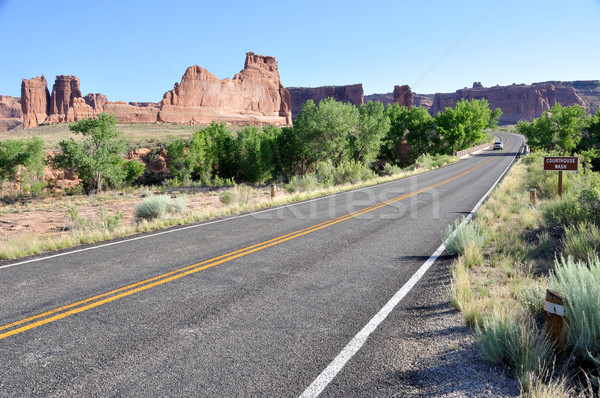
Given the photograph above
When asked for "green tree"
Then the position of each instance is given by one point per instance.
(325, 129)
(255, 153)
(590, 141)
(219, 151)
(420, 132)
(22, 160)
(293, 157)
(560, 129)
(181, 163)
(373, 125)
(410, 128)
(98, 159)
(464, 125)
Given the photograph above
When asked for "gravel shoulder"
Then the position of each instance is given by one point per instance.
(424, 349)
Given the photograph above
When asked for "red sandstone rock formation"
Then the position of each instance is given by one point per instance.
(35, 99)
(11, 113)
(518, 102)
(96, 101)
(255, 95)
(403, 96)
(424, 100)
(351, 93)
(79, 110)
(64, 92)
(125, 113)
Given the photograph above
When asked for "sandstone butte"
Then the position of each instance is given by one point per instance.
(403, 96)
(351, 93)
(254, 96)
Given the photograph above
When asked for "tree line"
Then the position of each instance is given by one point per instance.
(328, 136)
(565, 130)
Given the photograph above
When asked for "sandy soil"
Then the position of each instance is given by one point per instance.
(49, 216)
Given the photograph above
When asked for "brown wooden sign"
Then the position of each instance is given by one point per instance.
(561, 163)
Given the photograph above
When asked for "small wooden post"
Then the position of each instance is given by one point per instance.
(560, 183)
(273, 191)
(555, 318)
(532, 196)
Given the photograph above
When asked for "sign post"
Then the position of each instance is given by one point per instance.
(560, 164)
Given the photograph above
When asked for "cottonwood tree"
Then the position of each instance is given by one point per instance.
(324, 130)
(373, 125)
(22, 160)
(464, 125)
(562, 128)
(98, 158)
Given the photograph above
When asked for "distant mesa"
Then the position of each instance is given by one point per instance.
(254, 96)
(518, 102)
(299, 95)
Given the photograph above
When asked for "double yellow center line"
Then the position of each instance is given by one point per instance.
(91, 302)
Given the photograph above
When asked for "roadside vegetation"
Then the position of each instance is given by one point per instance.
(331, 147)
(513, 251)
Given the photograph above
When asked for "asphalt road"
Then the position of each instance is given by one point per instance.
(254, 305)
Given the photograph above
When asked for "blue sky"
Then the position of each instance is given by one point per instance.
(137, 50)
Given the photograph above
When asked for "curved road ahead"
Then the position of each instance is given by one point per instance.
(253, 305)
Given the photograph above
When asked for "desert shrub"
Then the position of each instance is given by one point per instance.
(180, 204)
(154, 207)
(566, 211)
(579, 282)
(546, 183)
(390, 170)
(441, 160)
(424, 161)
(581, 241)
(241, 194)
(348, 171)
(514, 340)
(219, 182)
(104, 221)
(325, 173)
(427, 161)
(305, 183)
(461, 236)
(227, 197)
(133, 169)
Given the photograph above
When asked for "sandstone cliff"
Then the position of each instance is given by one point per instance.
(64, 92)
(35, 100)
(518, 102)
(11, 113)
(96, 101)
(299, 95)
(255, 95)
(125, 113)
(588, 91)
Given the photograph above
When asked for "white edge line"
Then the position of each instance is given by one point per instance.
(327, 375)
(202, 224)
